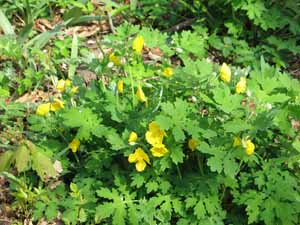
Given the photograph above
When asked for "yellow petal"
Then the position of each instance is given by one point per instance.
(132, 158)
(120, 86)
(153, 138)
(154, 135)
(141, 95)
(249, 147)
(159, 150)
(241, 86)
(132, 137)
(168, 72)
(138, 44)
(67, 83)
(115, 59)
(60, 86)
(56, 105)
(225, 73)
(243, 79)
(193, 143)
(140, 165)
(236, 142)
(43, 109)
(74, 90)
(74, 144)
(141, 155)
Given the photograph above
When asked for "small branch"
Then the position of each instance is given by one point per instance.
(181, 25)
(6, 221)
(111, 24)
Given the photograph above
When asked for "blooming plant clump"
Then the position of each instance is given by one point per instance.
(154, 132)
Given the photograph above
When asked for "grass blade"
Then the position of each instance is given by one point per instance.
(41, 40)
(5, 24)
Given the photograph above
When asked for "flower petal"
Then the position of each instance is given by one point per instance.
(154, 135)
(115, 59)
(138, 44)
(193, 143)
(140, 165)
(159, 150)
(60, 86)
(67, 83)
(249, 147)
(168, 71)
(132, 137)
(74, 144)
(241, 86)
(236, 142)
(225, 73)
(74, 90)
(142, 155)
(141, 95)
(56, 105)
(120, 86)
(43, 109)
(132, 158)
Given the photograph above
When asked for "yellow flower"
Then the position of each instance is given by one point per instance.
(140, 158)
(62, 84)
(56, 105)
(132, 138)
(155, 135)
(249, 148)
(141, 95)
(168, 71)
(241, 85)
(236, 142)
(225, 73)
(138, 44)
(43, 109)
(74, 144)
(193, 143)
(67, 83)
(74, 90)
(159, 150)
(120, 86)
(115, 59)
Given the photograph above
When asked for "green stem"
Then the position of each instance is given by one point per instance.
(179, 172)
(200, 164)
(76, 157)
(58, 155)
(223, 192)
(117, 100)
(6, 146)
(132, 88)
(240, 166)
(103, 83)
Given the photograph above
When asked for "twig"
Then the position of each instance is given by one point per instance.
(181, 25)
(111, 25)
(7, 221)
